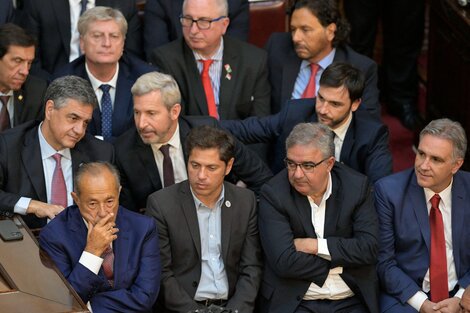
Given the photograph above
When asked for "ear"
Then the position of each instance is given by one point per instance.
(229, 166)
(225, 23)
(48, 109)
(82, 45)
(355, 104)
(75, 198)
(330, 32)
(458, 163)
(175, 111)
(330, 163)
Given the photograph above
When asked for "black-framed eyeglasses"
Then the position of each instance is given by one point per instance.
(306, 167)
(202, 23)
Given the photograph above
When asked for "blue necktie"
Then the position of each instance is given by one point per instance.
(106, 112)
(83, 9)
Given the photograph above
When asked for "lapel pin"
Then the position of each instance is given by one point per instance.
(20, 97)
(228, 69)
(228, 204)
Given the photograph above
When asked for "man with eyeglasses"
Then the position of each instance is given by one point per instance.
(110, 71)
(218, 76)
(318, 230)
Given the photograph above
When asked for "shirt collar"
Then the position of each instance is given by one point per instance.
(445, 194)
(174, 140)
(324, 63)
(216, 57)
(341, 131)
(9, 93)
(46, 149)
(218, 203)
(96, 83)
(327, 192)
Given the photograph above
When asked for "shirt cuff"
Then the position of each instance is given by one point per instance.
(91, 262)
(22, 206)
(417, 300)
(323, 251)
(459, 293)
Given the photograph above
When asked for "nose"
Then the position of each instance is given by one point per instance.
(24, 68)
(295, 35)
(79, 127)
(298, 173)
(321, 107)
(424, 164)
(202, 173)
(106, 41)
(140, 121)
(194, 29)
(102, 210)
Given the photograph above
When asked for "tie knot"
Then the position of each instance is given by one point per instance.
(4, 99)
(206, 64)
(57, 157)
(165, 149)
(435, 201)
(108, 250)
(314, 67)
(105, 88)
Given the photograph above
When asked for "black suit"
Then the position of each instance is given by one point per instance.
(49, 21)
(245, 94)
(162, 23)
(365, 147)
(6, 11)
(130, 69)
(28, 101)
(21, 170)
(139, 172)
(351, 230)
(180, 246)
(284, 65)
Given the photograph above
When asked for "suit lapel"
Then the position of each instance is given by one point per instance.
(122, 98)
(227, 86)
(189, 212)
(61, 10)
(333, 207)
(290, 70)
(32, 162)
(145, 155)
(459, 204)
(227, 219)
(349, 139)
(121, 248)
(194, 79)
(185, 128)
(18, 106)
(416, 198)
(305, 211)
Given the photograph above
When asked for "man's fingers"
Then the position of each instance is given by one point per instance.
(105, 220)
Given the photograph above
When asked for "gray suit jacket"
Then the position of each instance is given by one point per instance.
(180, 246)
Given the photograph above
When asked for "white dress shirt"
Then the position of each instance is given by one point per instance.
(340, 134)
(96, 83)
(75, 8)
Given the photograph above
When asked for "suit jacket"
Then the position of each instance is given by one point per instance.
(350, 229)
(130, 69)
(28, 100)
(136, 261)
(49, 21)
(284, 65)
(405, 235)
(21, 170)
(162, 21)
(245, 94)
(365, 147)
(6, 11)
(139, 172)
(180, 245)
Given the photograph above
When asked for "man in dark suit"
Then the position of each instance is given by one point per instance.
(38, 160)
(6, 11)
(361, 141)
(102, 33)
(158, 123)
(318, 35)
(238, 75)
(52, 22)
(208, 231)
(108, 254)
(318, 230)
(162, 21)
(21, 94)
(424, 256)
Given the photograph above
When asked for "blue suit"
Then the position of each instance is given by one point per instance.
(365, 147)
(405, 236)
(130, 68)
(136, 261)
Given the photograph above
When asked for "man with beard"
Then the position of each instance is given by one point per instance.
(360, 141)
(20, 93)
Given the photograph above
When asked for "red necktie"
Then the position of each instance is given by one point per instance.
(4, 116)
(108, 265)
(438, 262)
(58, 190)
(311, 88)
(168, 175)
(206, 82)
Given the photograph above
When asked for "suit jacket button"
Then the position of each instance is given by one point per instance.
(195, 284)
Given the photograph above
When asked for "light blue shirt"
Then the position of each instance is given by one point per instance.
(213, 283)
(304, 75)
(48, 164)
(215, 70)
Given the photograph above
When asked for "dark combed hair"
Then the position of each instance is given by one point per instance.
(344, 74)
(13, 35)
(327, 12)
(207, 137)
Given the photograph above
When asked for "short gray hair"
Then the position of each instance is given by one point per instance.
(445, 128)
(222, 4)
(101, 14)
(94, 169)
(315, 135)
(155, 81)
(70, 87)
